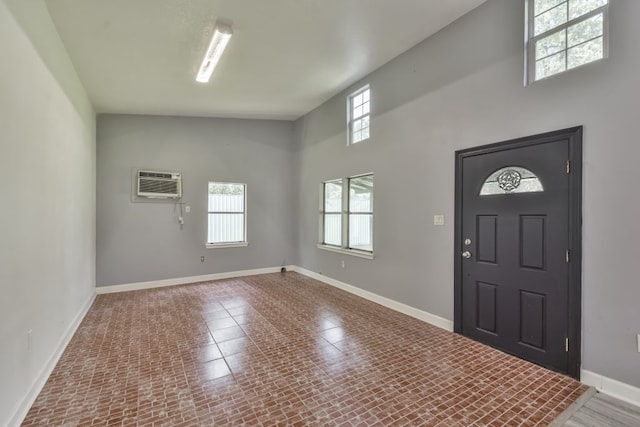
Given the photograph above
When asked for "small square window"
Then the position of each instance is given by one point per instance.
(358, 115)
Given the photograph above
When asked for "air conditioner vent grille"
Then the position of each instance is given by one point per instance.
(148, 174)
(159, 185)
(162, 187)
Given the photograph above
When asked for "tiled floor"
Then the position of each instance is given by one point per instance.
(283, 349)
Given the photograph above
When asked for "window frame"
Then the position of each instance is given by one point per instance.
(324, 212)
(346, 213)
(235, 244)
(531, 39)
(351, 213)
(350, 115)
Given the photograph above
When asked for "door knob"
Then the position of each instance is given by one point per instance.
(466, 254)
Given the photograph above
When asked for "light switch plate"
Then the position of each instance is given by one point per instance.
(438, 220)
(187, 209)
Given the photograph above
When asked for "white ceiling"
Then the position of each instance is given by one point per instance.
(285, 58)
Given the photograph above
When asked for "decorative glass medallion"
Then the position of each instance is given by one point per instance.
(510, 180)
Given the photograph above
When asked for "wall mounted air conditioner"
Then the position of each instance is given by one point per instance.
(159, 185)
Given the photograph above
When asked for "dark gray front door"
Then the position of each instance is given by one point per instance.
(514, 250)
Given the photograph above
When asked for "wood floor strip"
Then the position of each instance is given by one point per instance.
(613, 412)
(573, 408)
(621, 405)
(605, 411)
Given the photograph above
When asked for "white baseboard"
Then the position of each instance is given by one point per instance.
(45, 372)
(614, 388)
(394, 305)
(432, 319)
(186, 280)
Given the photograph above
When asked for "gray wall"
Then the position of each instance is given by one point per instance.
(47, 219)
(463, 88)
(138, 242)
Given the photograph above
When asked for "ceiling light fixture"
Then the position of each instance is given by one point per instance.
(221, 36)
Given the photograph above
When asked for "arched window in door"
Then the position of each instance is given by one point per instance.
(509, 180)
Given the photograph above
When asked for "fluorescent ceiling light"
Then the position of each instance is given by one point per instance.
(221, 36)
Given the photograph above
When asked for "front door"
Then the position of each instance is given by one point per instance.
(515, 246)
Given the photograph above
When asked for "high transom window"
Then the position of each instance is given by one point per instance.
(564, 34)
(359, 111)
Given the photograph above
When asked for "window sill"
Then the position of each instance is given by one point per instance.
(352, 252)
(226, 245)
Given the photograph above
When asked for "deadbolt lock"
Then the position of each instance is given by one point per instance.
(467, 242)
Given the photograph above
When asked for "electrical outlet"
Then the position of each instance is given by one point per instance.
(187, 209)
(438, 220)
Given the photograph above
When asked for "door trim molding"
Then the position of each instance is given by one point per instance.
(574, 137)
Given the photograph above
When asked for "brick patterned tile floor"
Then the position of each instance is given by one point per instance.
(283, 349)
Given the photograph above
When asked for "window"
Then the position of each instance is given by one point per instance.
(564, 34)
(509, 180)
(333, 213)
(346, 215)
(227, 214)
(361, 213)
(358, 115)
